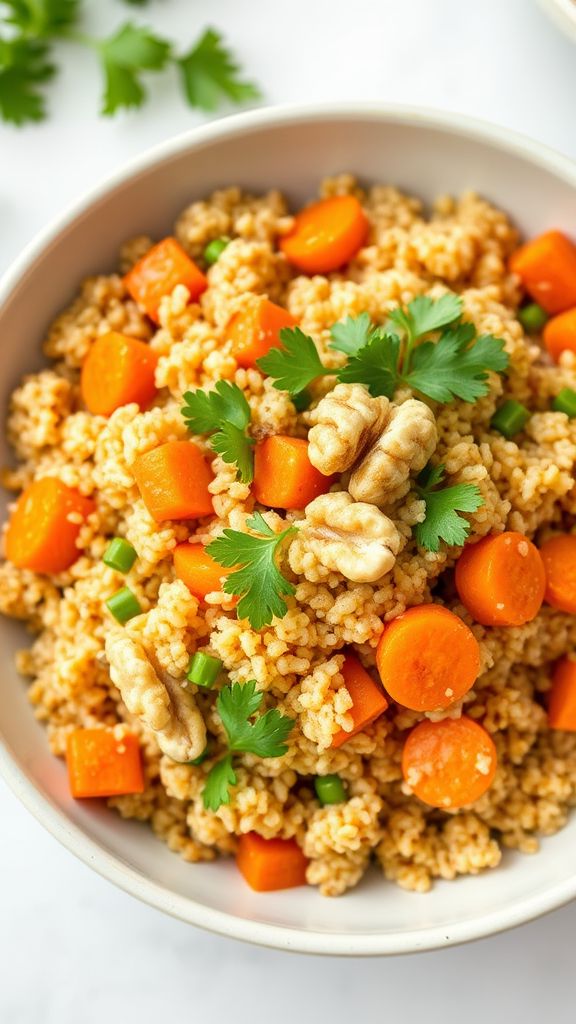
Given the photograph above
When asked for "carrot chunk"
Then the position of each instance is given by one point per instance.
(100, 764)
(284, 477)
(562, 703)
(326, 235)
(256, 329)
(163, 267)
(547, 268)
(501, 580)
(44, 526)
(198, 570)
(118, 370)
(450, 763)
(559, 557)
(560, 334)
(368, 699)
(427, 658)
(269, 864)
(173, 481)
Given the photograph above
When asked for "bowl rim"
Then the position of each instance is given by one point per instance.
(54, 820)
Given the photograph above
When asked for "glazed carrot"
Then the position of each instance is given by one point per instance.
(284, 477)
(449, 763)
(173, 481)
(195, 567)
(547, 268)
(100, 764)
(368, 699)
(427, 658)
(44, 526)
(118, 370)
(559, 557)
(159, 271)
(560, 334)
(256, 329)
(269, 864)
(500, 580)
(326, 235)
(562, 703)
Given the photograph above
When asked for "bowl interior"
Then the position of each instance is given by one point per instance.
(291, 151)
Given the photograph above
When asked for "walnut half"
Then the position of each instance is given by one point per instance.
(345, 536)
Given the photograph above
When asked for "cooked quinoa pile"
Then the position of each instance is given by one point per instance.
(526, 485)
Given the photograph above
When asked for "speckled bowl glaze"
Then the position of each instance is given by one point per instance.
(290, 148)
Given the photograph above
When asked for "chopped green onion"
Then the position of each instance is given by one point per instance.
(532, 317)
(201, 757)
(302, 400)
(329, 789)
(565, 401)
(214, 249)
(123, 604)
(204, 669)
(510, 418)
(119, 555)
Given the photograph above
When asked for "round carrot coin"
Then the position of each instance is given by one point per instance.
(326, 235)
(559, 558)
(427, 658)
(501, 580)
(449, 764)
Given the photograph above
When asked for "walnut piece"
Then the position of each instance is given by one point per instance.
(158, 700)
(345, 536)
(381, 443)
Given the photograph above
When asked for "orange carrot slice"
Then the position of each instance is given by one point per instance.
(256, 329)
(559, 558)
(326, 235)
(560, 334)
(44, 526)
(100, 764)
(501, 580)
(450, 763)
(427, 658)
(173, 481)
(562, 703)
(163, 267)
(547, 268)
(284, 477)
(269, 864)
(368, 699)
(198, 570)
(118, 370)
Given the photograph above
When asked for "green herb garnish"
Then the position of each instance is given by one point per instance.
(224, 414)
(257, 579)
(442, 520)
(236, 705)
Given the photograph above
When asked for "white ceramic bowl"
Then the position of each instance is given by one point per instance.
(290, 148)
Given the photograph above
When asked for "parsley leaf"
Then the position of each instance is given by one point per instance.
(424, 314)
(210, 72)
(218, 781)
(24, 65)
(225, 414)
(442, 520)
(41, 18)
(124, 56)
(454, 368)
(375, 365)
(257, 580)
(296, 364)
(352, 334)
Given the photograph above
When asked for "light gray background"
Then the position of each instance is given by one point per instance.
(73, 950)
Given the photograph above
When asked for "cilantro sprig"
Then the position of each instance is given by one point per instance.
(265, 737)
(31, 30)
(443, 506)
(455, 363)
(224, 414)
(256, 579)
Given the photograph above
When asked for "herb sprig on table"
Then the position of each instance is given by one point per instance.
(32, 30)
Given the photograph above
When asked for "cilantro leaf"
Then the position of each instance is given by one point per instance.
(234, 446)
(24, 65)
(131, 50)
(296, 364)
(257, 580)
(210, 72)
(424, 314)
(218, 781)
(442, 520)
(453, 368)
(225, 414)
(352, 334)
(375, 365)
(41, 18)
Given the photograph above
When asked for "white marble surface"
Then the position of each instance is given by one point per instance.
(73, 950)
